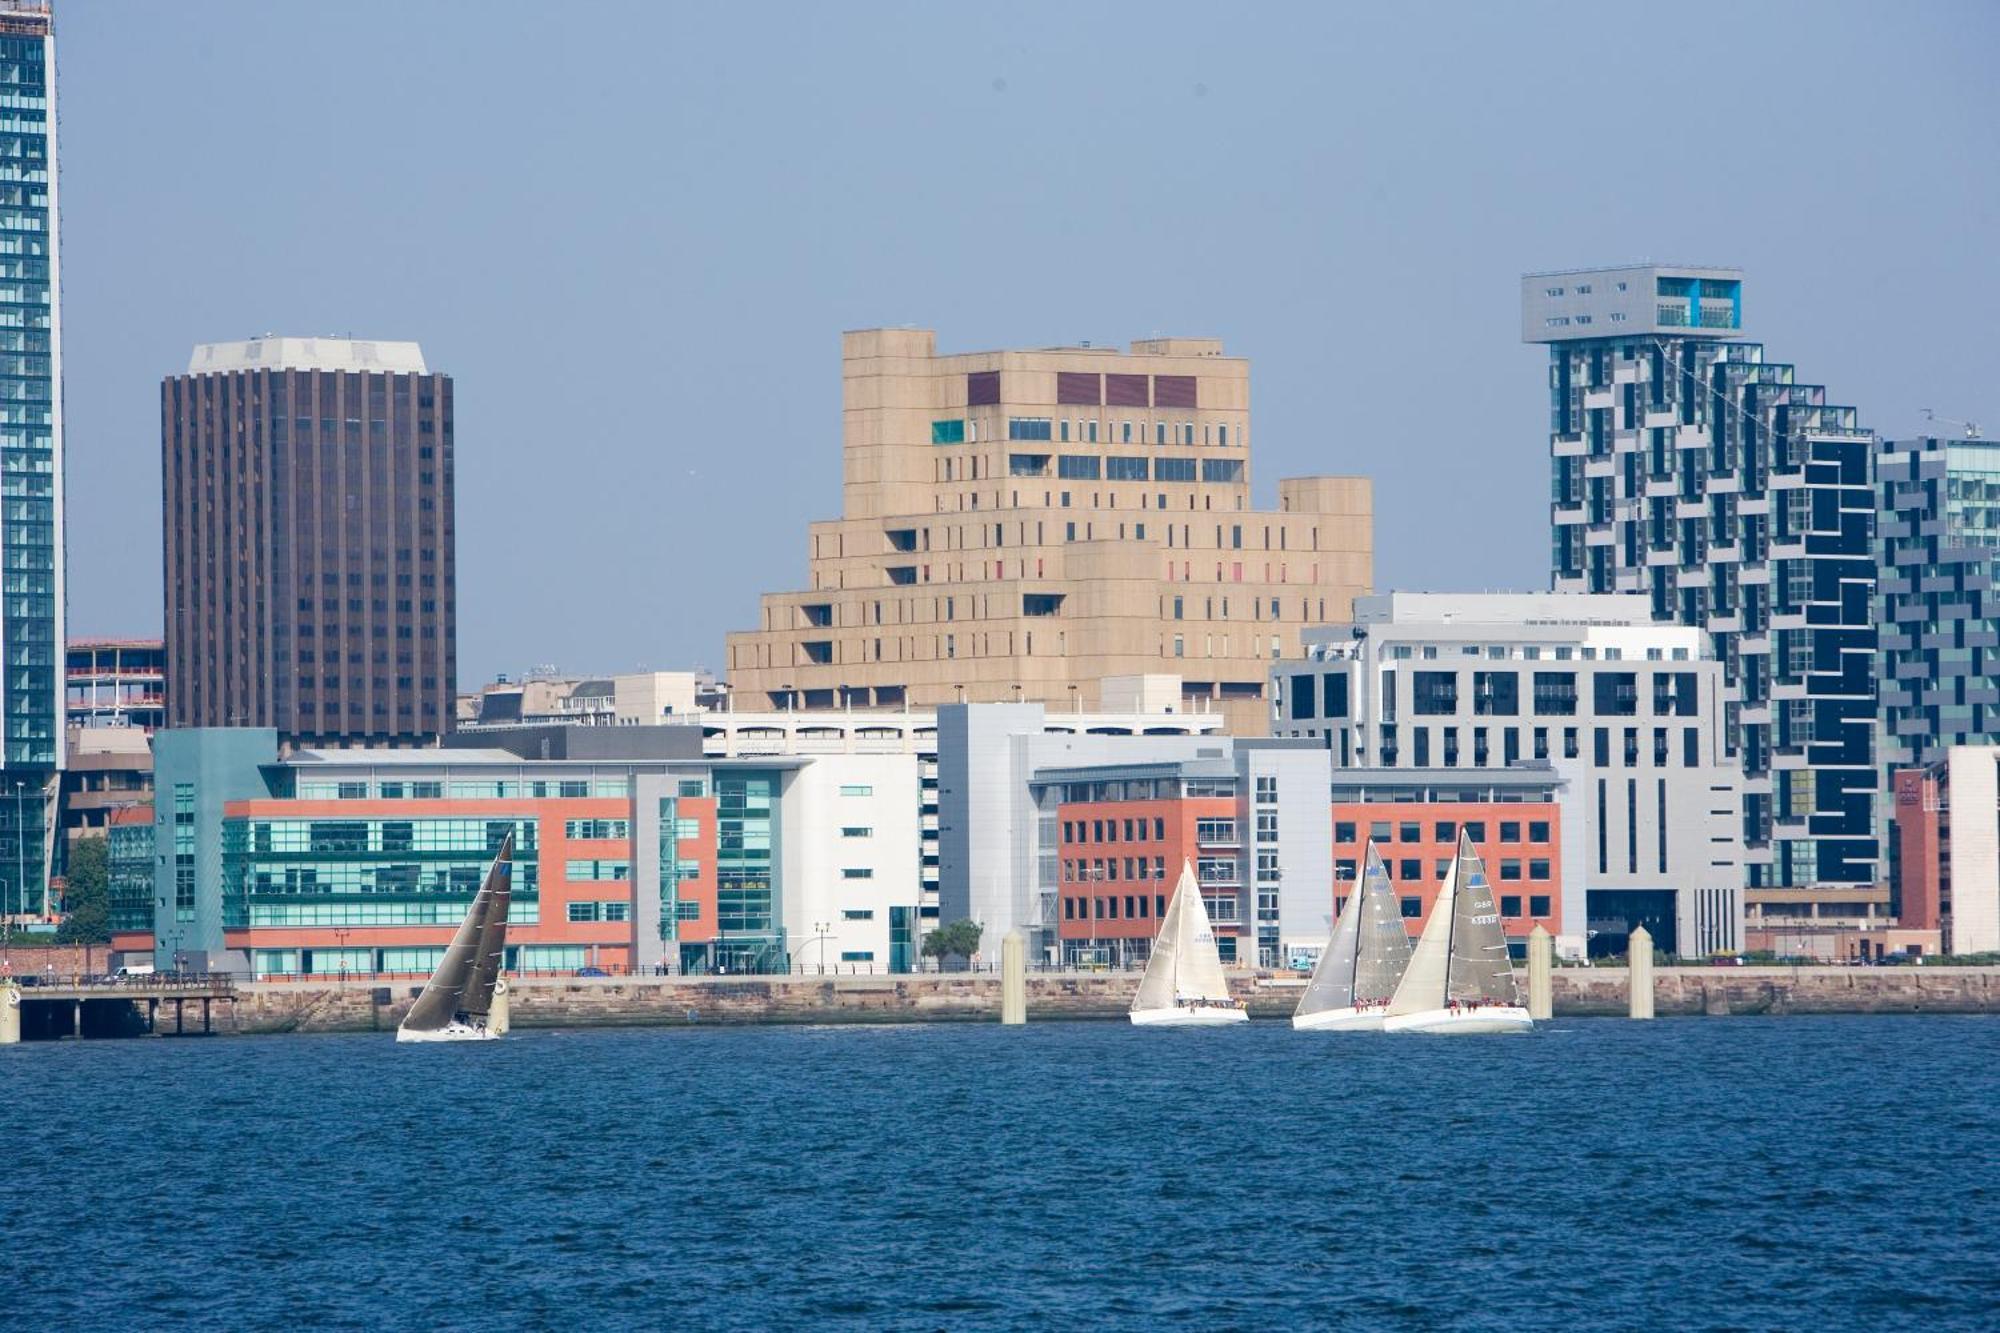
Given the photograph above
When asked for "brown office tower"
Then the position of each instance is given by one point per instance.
(310, 580)
(1032, 524)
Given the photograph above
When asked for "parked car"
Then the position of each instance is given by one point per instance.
(1726, 960)
(592, 972)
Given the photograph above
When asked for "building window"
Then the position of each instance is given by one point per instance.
(1343, 830)
(1538, 904)
(857, 872)
(1510, 830)
(1434, 693)
(1538, 868)
(857, 790)
(858, 914)
(1410, 871)
(1028, 428)
(857, 956)
(1510, 869)
(1538, 830)
(856, 831)
(1410, 832)
(1510, 905)
(1412, 907)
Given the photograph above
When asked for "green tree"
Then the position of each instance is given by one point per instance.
(87, 894)
(960, 938)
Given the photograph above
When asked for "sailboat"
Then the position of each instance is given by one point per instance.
(458, 1002)
(1183, 985)
(1460, 979)
(1351, 986)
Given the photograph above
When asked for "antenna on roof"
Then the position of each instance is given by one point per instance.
(1971, 428)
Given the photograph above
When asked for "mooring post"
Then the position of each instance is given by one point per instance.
(1639, 967)
(1541, 962)
(1013, 979)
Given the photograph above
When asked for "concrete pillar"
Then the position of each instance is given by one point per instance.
(10, 1015)
(1639, 958)
(1013, 979)
(205, 1029)
(1541, 961)
(76, 1025)
(500, 1014)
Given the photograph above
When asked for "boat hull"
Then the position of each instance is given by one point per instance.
(1189, 1016)
(1491, 1020)
(1340, 1020)
(449, 1032)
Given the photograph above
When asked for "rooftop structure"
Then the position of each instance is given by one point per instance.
(271, 352)
(1587, 303)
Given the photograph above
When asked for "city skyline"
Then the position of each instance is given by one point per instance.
(711, 376)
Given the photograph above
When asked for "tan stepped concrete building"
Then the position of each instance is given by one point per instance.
(1023, 525)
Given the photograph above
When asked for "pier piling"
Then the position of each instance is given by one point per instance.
(10, 1015)
(1541, 960)
(1013, 980)
(1639, 961)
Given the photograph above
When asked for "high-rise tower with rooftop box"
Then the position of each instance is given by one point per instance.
(1687, 467)
(310, 577)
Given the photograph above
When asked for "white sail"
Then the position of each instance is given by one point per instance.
(1200, 976)
(1332, 984)
(1156, 987)
(1423, 983)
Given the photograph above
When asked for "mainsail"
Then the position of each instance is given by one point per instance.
(1201, 975)
(1185, 963)
(1332, 984)
(1480, 966)
(462, 985)
(1384, 946)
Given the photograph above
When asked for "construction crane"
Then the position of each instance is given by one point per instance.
(1971, 428)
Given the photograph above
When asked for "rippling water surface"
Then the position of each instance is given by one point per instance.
(1742, 1172)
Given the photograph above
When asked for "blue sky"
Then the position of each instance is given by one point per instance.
(634, 232)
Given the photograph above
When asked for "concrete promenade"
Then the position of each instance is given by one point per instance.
(361, 1006)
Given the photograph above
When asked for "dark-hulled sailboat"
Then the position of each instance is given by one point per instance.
(458, 1003)
(1363, 962)
(1460, 979)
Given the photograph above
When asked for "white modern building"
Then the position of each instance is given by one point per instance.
(1629, 711)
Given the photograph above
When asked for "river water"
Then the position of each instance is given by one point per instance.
(1704, 1173)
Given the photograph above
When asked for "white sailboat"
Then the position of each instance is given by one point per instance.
(1460, 979)
(1183, 985)
(1363, 962)
(458, 1002)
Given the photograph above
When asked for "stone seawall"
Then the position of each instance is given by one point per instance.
(272, 1007)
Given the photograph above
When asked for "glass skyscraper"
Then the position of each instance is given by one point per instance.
(1687, 467)
(31, 461)
(1937, 537)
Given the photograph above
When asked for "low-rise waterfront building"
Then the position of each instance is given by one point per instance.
(1514, 816)
(1627, 711)
(1948, 828)
(633, 850)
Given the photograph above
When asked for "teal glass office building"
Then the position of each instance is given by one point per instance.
(31, 462)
